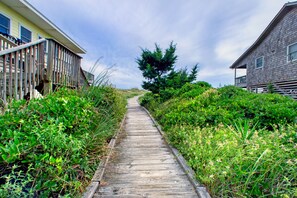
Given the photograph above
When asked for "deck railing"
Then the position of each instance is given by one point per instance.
(6, 42)
(240, 81)
(44, 62)
(65, 65)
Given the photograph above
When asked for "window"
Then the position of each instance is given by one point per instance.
(4, 24)
(26, 35)
(259, 62)
(292, 52)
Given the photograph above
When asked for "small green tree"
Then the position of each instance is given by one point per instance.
(158, 69)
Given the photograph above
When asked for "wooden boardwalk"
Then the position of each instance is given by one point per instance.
(142, 164)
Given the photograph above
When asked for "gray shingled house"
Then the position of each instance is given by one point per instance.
(272, 59)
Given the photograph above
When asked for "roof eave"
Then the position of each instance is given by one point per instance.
(27, 10)
(266, 31)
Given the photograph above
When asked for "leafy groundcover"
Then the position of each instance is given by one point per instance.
(240, 144)
(51, 147)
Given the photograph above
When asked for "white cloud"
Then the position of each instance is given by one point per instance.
(237, 37)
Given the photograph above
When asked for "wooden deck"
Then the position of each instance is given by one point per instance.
(142, 164)
(43, 63)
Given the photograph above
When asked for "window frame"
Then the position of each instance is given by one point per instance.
(288, 47)
(10, 26)
(20, 29)
(263, 62)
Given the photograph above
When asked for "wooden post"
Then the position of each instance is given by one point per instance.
(41, 61)
(235, 77)
(50, 64)
(78, 62)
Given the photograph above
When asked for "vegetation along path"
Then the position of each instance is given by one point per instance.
(142, 164)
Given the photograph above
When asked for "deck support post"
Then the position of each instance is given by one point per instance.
(48, 83)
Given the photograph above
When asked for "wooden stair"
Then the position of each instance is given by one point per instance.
(287, 88)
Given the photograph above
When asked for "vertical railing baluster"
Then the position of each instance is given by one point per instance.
(37, 63)
(78, 71)
(16, 64)
(34, 70)
(21, 74)
(4, 79)
(10, 77)
(72, 70)
(26, 71)
(55, 65)
(68, 70)
(63, 67)
(1, 78)
(41, 61)
(59, 71)
(30, 69)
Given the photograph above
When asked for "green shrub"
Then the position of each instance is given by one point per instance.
(263, 166)
(150, 100)
(57, 140)
(192, 90)
(240, 144)
(167, 94)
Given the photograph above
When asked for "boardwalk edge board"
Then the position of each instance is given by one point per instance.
(200, 189)
(91, 189)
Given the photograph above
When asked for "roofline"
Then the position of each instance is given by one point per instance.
(266, 31)
(48, 22)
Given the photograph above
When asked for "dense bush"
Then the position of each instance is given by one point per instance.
(231, 166)
(52, 146)
(239, 143)
(203, 106)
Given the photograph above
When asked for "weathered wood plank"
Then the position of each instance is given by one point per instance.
(144, 173)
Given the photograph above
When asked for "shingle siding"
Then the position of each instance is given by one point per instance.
(274, 49)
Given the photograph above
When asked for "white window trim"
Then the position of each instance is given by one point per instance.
(20, 36)
(262, 62)
(10, 22)
(288, 61)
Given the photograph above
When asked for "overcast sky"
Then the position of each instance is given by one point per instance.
(213, 33)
